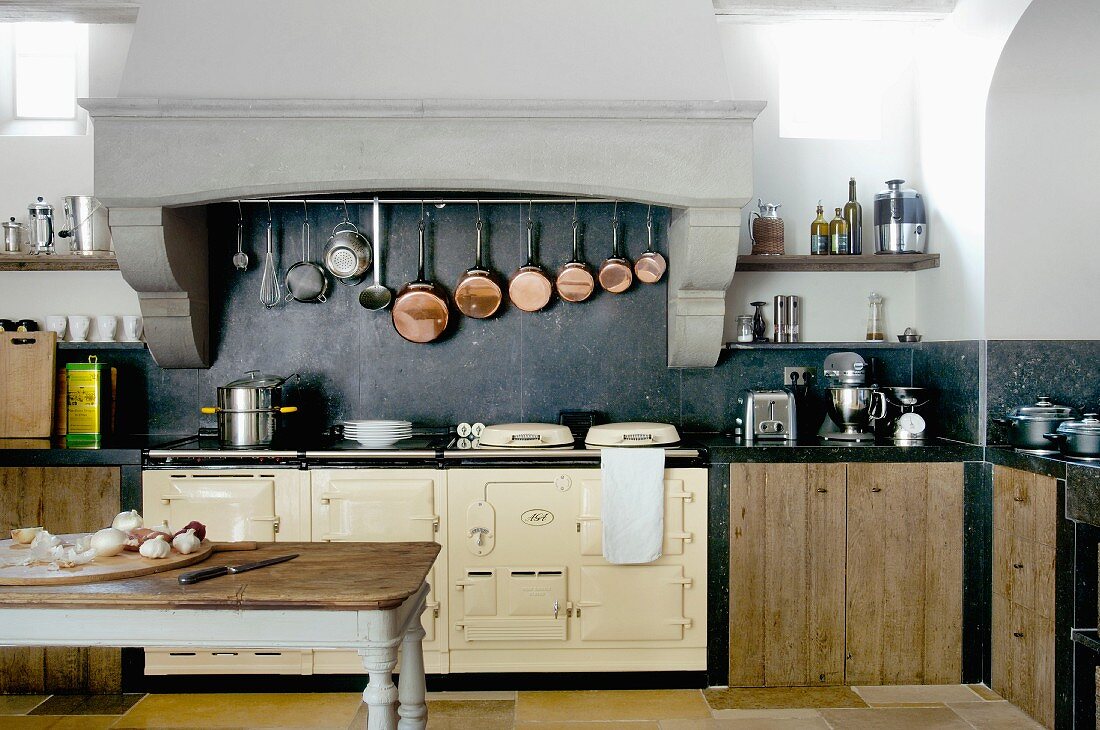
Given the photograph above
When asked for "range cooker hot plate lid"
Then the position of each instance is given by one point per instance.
(526, 435)
(636, 433)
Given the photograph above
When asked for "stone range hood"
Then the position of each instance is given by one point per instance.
(159, 162)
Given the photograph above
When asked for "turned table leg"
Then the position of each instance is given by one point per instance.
(380, 694)
(413, 710)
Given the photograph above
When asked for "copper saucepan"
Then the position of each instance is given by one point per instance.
(477, 294)
(420, 312)
(530, 288)
(616, 274)
(575, 280)
(651, 265)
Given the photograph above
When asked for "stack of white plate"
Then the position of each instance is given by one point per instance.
(377, 434)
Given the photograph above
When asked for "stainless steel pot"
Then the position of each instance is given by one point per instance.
(247, 410)
(1078, 439)
(1028, 425)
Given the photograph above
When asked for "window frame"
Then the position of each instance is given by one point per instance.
(10, 125)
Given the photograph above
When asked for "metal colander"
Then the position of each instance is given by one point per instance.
(347, 253)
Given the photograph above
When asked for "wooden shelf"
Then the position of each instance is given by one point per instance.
(56, 262)
(896, 262)
(859, 345)
(90, 345)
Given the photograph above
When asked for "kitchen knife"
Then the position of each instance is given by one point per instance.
(206, 573)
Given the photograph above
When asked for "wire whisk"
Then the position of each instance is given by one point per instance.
(271, 291)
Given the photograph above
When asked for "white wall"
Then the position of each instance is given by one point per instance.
(799, 172)
(54, 167)
(955, 67)
(1043, 154)
(443, 49)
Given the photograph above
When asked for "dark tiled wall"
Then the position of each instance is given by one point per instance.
(1019, 371)
(952, 370)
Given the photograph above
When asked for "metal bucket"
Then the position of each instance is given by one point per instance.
(86, 226)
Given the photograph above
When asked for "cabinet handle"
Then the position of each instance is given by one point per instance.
(876, 489)
(1018, 634)
(1017, 566)
(1019, 499)
(822, 490)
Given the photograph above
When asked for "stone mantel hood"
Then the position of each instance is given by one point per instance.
(158, 162)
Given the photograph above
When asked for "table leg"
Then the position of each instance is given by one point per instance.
(413, 710)
(380, 694)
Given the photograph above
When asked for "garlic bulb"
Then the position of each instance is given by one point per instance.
(156, 548)
(24, 535)
(127, 521)
(108, 541)
(186, 543)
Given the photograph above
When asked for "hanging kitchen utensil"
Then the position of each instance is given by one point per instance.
(615, 273)
(575, 281)
(420, 312)
(347, 254)
(377, 296)
(651, 265)
(306, 281)
(530, 288)
(240, 259)
(271, 292)
(477, 294)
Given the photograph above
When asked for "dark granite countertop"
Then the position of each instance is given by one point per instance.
(116, 450)
(726, 449)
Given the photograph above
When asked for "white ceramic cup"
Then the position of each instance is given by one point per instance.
(57, 323)
(107, 327)
(78, 327)
(132, 327)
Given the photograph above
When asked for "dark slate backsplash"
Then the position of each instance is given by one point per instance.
(951, 370)
(1019, 371)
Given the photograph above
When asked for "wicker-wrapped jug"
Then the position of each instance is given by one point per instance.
(766, 230)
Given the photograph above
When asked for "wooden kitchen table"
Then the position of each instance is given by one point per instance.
(364, 596)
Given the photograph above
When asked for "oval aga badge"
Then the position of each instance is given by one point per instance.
(537, 517)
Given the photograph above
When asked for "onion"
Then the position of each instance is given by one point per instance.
(127, 521)
(108, 541)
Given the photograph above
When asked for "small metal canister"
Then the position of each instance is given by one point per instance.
(13, 236)
(87, 390)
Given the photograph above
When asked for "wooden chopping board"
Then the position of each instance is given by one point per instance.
(124, 565)
(27, 381)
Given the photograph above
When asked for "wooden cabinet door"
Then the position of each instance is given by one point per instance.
(61, 499)
(904, 579)
(787, 574)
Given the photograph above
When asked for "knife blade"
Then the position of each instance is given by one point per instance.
(196, 576)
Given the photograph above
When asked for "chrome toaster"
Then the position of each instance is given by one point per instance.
(768, 415)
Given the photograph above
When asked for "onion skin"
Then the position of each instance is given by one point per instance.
(142, 535)
(198, 527)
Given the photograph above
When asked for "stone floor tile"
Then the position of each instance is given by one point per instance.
(506, 695)
(899, 718)
(28, 722)
(752, 723)
(985, 692)
(994, 716)
(87, 704)
(610, 705)
(765, 698)
(20, 704)
(594, 725)
(458, 714)
(915, 694)
(83, 722)
(788, 713)
(243, 710)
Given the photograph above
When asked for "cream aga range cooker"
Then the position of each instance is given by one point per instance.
(520, 585)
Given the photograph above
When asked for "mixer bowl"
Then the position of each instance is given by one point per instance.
(850, 408)
(905, 397)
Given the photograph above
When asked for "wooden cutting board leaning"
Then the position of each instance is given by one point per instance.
(27, 380)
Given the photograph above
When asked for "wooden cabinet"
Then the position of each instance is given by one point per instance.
(1025, 523)
(787, 574)
(904, 595)
(845, 574)
(64, 499)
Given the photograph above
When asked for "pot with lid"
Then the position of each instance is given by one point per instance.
(1078, 439)
(1028, 425)
(901, 223)
(247, 410)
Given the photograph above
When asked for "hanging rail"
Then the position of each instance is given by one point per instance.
(427, 201)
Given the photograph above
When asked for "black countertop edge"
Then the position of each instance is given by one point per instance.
(1052, 465)
(725, 449)
(121, 450)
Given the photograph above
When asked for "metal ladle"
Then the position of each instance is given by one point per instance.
(376, 297)
(240, 259)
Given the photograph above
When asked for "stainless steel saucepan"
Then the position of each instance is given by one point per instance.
(248, 410)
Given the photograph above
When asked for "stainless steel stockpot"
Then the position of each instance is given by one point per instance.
(248, 408)
(1079, 439)
(1028, 425)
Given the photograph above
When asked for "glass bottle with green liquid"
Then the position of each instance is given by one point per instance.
(838, 235)
(819, 233)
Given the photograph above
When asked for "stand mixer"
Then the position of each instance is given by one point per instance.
(851, 402)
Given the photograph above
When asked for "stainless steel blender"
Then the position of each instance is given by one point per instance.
(852, 403)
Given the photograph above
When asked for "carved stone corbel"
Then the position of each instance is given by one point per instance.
(702, 245)
(162, 253)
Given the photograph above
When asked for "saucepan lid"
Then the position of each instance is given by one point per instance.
(526, 435)
(256, 379)
(1043, 409)
(1089, 425)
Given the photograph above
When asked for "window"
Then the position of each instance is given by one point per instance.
(43, 70)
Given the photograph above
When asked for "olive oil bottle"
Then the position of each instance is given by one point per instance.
(838, 235)
(819, 233)
(853, 216)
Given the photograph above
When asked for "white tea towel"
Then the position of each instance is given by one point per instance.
(633, 504)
